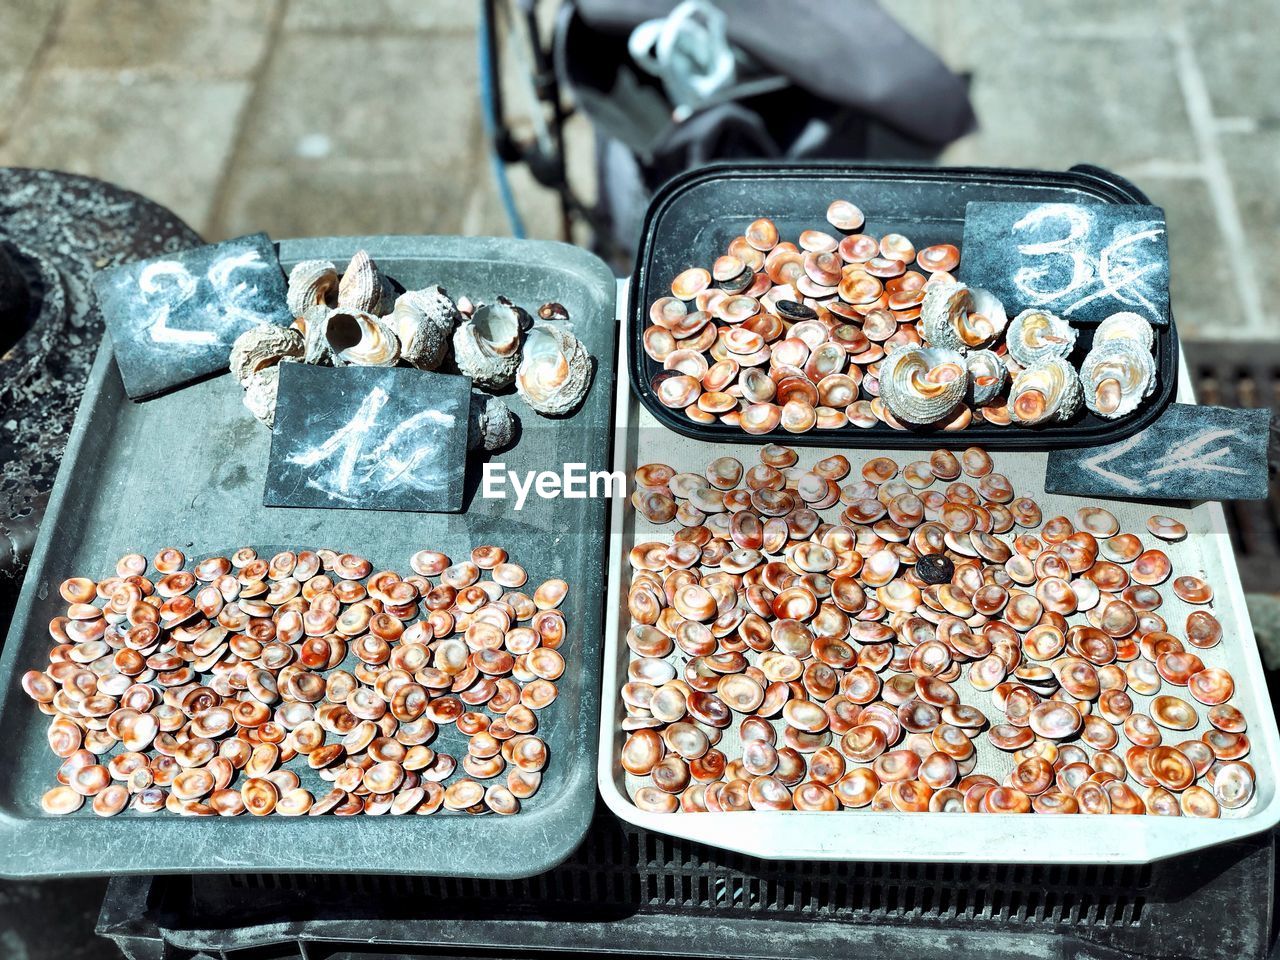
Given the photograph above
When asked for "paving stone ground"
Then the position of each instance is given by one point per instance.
(308, 117)
(313, 117)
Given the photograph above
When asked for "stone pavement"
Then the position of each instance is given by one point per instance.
(308, 117)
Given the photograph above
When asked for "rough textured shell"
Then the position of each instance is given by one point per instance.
(360, 339)
(260, 394)
(1036, 336)
(424, 321)
(493, 425)
(1059, 383)
(555, 371)
(487, 347)
(944, 305)
(316, 347)
(1127, 362)
(988, 367)
(363, 287)
(912, 389)
(312, 282)
(988, 305)
(1125, 326)
(263, 346)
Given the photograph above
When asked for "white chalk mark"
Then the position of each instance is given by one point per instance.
(1082, 270)
(1106, 455)
(173, 282)
(1187, 456)
(238, 300)
(1120, 275)
(361, 471)
(1117, 272)
(348, 439)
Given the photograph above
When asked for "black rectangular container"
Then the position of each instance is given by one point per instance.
(694, 216)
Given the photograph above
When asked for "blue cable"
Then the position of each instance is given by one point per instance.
(491, 124)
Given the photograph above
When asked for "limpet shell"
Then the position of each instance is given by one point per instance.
(923, 384)
(261, 347)
(555, 371)
(987, 376)
(486, 348)
(1036, 336)
(424, 321)
(1125, 326)
(312, 283)
(1046, 393)
(358, 338)
(260, 394)
(363, 288)
(1117, 375)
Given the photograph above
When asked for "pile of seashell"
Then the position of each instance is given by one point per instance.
(357, 319)
(851, 329)
(780, 661)
(163, 700)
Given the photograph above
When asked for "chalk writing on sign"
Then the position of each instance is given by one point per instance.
(1120, 270)
(368, 438)
(1081, 261)
(356, 467)
(1190, 453)
(173, 320)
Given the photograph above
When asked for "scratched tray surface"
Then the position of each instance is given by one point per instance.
(187, 470)
(865, 835)
(695, 216)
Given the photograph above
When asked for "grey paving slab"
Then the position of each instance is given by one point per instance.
(225, 38)
(403, 99)
(1254, 164)
(1205, 301)
(539, 208)
(1236, 48)
(168, 139)
(24, 25)
(1055, 101)
(318, 199)
(1011, 21)
(390, 16)
(359, 133)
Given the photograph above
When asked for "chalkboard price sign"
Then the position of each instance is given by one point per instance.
(1082, 262)
(1190, 453)
(368, 438)
(173, 319)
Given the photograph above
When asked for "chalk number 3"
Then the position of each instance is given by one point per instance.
(1065, 257)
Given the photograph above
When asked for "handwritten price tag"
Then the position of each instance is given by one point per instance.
(1190, 453)
(1083, 262)
(368, 438)
(173, 320)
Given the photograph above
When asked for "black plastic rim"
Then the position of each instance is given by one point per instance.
(1087, 430)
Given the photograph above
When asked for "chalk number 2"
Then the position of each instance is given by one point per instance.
(168, 285)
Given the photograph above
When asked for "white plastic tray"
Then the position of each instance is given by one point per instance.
(853, 835)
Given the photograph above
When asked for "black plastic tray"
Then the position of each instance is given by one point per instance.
(187, 469)
(695, 215)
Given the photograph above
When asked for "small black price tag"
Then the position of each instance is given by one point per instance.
(368, 438)
(174, 319)
(1082, 262)
(1190, 453)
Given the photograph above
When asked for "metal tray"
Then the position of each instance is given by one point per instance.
(187, 469)
(695, 215)
(947, 837)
